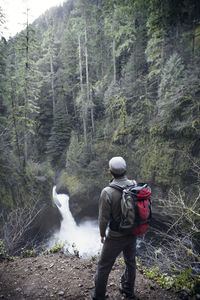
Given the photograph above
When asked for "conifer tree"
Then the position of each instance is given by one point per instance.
(154, 50)
(60, 135)
(70, 78)
(82, 29)
(24, 85)
(3, 84)
(51, 53)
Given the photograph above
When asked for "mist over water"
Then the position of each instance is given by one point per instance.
(84, 237)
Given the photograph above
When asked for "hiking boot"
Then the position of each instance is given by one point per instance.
(127, 294)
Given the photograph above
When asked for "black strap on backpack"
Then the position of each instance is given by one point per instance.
(114, 225)
(117, 187)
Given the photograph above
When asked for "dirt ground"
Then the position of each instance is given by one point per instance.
(58, 276)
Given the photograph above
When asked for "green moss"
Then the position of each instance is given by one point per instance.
(71, 183)
(161, 161)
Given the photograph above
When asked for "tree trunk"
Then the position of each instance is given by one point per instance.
(49, 23)
(74, 104)
(113, 47)
(89, 98)
(86, 65)
(84, 108)
(15, 128)
(52, 81)
(26, 95)
(92, 111)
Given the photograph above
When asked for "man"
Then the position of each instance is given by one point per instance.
(114, 242)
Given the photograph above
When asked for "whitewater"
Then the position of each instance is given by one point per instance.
(83, 238)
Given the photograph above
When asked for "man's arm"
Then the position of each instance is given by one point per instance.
(104, 213)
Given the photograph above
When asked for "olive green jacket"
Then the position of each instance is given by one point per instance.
(110, 206)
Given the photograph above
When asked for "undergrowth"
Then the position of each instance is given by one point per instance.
(185, 281)
(58, 247)
(3, 252)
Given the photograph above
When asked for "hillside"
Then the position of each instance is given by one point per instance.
(90, 76)
(58, 276)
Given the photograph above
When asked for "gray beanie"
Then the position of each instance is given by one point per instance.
(117, 165)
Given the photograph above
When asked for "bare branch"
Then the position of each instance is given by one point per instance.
(18, 223)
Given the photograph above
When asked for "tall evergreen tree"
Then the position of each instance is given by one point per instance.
(24, 86)
(60, 136)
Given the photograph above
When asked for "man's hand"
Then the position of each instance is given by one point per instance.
(102, 239)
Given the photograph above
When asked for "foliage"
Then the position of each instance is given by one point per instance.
(35, 170)
(116, 109)
(70, 182)
(155, 42)
(58, 247)
(75, 153)
(24, 86)
(28, 253)
(3, 252)
(60, 135)
(186, 281)
(44, 251)
(171, 86)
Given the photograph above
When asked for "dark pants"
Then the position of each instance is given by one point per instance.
(111, 249)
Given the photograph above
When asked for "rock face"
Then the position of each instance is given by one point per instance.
(83, 201)
(60, 189)
(48, 220)
(84, 205)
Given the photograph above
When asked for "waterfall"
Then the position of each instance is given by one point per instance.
(83, 238)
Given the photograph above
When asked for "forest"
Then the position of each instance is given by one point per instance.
(92, 79)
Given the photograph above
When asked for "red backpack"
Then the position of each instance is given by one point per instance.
(135, 207)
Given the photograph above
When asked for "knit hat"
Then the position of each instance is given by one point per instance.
(117, 165)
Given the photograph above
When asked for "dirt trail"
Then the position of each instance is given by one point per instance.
(58, 276)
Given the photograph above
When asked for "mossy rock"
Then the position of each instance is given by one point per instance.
(83, 195)
(68, 184)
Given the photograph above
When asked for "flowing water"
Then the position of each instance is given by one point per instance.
(83, 238)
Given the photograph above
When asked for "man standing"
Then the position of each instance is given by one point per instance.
(115, 242)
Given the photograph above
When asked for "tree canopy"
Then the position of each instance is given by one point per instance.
(103, 78)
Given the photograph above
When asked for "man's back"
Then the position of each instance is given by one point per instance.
(110, 206)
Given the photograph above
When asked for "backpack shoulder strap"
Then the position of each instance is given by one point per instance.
(117, 187)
